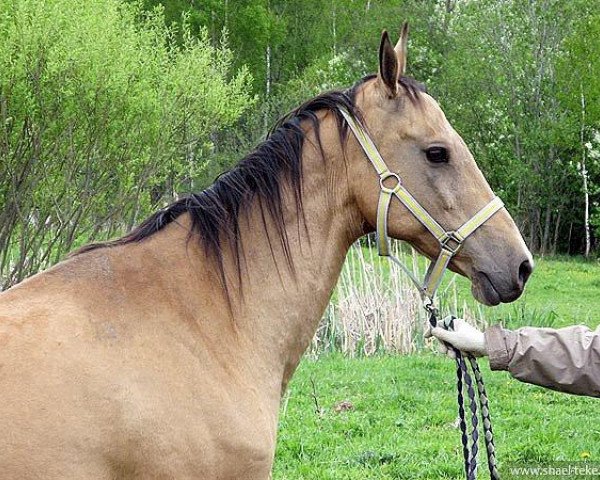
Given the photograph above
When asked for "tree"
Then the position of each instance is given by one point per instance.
(579, 77)
(102, 116)
(501, 85)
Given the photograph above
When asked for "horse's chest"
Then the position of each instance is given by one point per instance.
(219, 436)
(211, 458)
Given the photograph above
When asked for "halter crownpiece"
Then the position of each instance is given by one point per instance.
(450, 240)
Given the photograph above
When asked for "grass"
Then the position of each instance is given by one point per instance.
(399, 420)
(401, 424)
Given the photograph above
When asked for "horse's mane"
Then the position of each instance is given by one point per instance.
(215, 212)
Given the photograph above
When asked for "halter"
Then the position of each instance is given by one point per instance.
(450, 242)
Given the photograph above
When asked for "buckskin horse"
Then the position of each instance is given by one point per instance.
(164, 354)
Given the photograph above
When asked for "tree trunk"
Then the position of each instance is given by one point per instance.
(268, 72)
(546, 235)
(569, 238)
(556, 232)
(584, 178)
(534, 229)
(333, 26)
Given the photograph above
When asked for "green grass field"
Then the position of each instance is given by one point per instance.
(402, 421)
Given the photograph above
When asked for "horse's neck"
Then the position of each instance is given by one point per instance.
(281, 309)
(275, 311)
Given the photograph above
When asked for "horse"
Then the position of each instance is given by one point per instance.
(165, 353)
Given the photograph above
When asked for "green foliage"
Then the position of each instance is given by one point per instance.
(500, 90)
(250, 25)
(101, 116)
(579, 77)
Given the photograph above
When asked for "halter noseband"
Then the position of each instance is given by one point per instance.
(450, 240)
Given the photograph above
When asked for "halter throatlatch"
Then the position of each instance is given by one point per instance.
(450, 242)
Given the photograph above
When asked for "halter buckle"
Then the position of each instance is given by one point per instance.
(445, 242)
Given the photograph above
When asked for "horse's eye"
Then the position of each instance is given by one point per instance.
(437, 154)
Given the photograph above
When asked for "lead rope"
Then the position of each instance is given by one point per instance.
(488, 434)
(463, 378)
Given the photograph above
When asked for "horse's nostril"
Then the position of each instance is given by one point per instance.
(525, 270)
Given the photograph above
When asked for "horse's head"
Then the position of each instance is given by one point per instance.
(435, 165)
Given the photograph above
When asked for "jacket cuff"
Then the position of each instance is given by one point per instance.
(498, 348)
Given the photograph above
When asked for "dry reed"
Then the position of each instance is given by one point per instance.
(376, 309)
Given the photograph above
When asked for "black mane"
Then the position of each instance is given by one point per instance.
(215, 212)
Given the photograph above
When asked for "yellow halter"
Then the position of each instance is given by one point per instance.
(450, 240)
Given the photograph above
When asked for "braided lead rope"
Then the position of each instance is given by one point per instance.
(471, 464)
(464, 379)
(488, 434)
(461, 417)
(474, 420)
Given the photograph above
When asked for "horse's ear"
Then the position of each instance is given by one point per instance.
(401, 49)
(388, 65)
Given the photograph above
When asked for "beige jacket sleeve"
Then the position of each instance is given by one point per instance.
(567, 359)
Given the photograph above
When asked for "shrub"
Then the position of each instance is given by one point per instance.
(102, 116)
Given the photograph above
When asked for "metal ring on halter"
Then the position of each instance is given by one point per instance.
(384, 176)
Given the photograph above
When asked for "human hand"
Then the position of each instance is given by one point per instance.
(462, 336)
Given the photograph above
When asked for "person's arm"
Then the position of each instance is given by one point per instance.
(566, 359)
